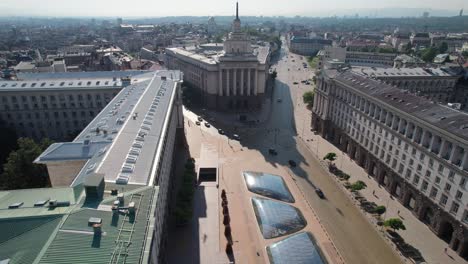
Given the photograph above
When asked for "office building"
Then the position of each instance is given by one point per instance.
(413, 147)
(111, 186)
(58, 105)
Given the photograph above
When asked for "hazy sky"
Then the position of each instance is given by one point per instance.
(155, 8)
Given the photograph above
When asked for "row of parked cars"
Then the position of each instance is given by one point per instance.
(207, 124)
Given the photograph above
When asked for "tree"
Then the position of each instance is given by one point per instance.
(308, 98)
(184, 204)
(395, 224)
(330, 157)
(358, 185)
(380, 209)
(274, 74)
(7, 142)
(443, 47)
(19, 172)
(429, 54)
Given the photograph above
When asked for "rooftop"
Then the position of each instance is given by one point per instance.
(428, 112)
(403, 72)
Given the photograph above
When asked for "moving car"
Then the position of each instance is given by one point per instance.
(319, 193)
(207, 124)
(292, 163)
(272, 151)
(236, 137)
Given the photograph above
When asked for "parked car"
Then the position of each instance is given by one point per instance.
(197, 123)
(272, 151)
(199, 118)
(220, 131)
(295, 83)
(236, 137)
(319, 193)
(292, 163)
(207, 124)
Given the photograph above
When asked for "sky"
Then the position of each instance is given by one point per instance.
(158, 8)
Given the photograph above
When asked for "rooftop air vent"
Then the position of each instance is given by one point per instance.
(15, 205)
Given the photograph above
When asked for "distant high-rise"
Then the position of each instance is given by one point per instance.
(425, 14)
(119, 21)
(461, 12)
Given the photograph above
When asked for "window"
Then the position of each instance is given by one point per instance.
(403, 158)
(437, 181)
(459, 195)
(406, 147)
(413, 152)
(416, 180)
(424, 186)
(411, 162)
(448, 187)
(428, 173)
(431, 163)
(422, 156)
(441, 168)
(408, 174)
(454, 208)
(463, 182)
(451, 175)
(443, 199)
(433, 193)
(419, 167)
(465, 216)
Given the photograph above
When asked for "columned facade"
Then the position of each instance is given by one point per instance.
(421, 162)
(233, 80)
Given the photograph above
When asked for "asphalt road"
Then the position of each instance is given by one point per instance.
(354, 236)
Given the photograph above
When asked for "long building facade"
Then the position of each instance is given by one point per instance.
(233, 79)
(58, 105)
(413, 147)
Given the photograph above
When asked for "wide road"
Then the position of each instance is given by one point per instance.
(354, 236)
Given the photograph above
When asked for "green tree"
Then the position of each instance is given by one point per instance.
(308, 98)
(8, 139)
(443, 47)
(19, 172)
(330, 157)
(395, 224)
(358, 185)
(380, 209)
(429, 54)
(184, 205)
(274, 74)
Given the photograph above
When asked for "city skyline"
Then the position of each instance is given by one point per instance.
(145, 8)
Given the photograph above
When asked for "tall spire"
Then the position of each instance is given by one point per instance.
(237, 10)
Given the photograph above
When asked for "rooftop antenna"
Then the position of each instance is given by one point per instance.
(237, 10)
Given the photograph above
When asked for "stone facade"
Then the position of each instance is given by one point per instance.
(231, 80)
(421, 164)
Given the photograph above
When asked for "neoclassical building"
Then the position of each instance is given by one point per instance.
(415, 148)
(436, 84)
(233, 79)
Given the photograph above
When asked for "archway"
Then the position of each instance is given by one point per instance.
(427, 216)
(446, 231)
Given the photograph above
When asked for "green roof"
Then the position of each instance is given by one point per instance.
(31, 196)
(66, 237)
(22, 240)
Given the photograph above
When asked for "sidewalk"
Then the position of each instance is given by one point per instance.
(416, 234)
